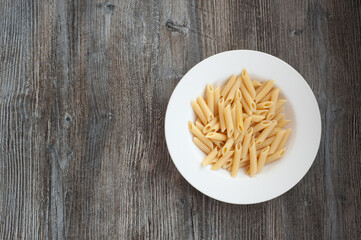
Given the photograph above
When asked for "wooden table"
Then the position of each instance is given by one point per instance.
(83, 94)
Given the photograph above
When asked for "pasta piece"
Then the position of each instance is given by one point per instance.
(201, 145)
(264, 105)
(280, 103)
(228, 86)
(197, 109)
(279, 117)
(246, 125)
(277, 155)
(282, 123)
(264, 91)
(275, 131)
(217, 94)
(260, 87)
(284, 139)
(234, 120)
(236, 159)
(199, 125)
(256, 83)
(196, 132)
(226, 148)
(228, 120)
(222, 160)
(205, 109)
(217, 136)
(279, 110)
(274, 99)
(267, 97)
(277, 141)
(253, 159)
(210, 98)
(258, 127)
(218, 143)
(265, 132)
(262, 112)
(266, 142)
(238, 95)
(233, 90)
(209, 126)
(244, 164)
(239, 116)
(257, 118)
(245, 106)
(244, 115)
(222, 123)
(246, 96)
(227, 164)
(248, 83)
(212, 155)
(246, 141)
(262, 158)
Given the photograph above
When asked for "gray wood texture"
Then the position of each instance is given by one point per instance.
(84, 86)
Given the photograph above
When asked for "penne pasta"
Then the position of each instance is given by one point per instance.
(277, 155)
(266, 132)
(282, 123)
(197, 109)
(228, 86)
(199, 125)
(257, 118)
(246, 125)
(210, 98)
(260, 87)
(238, 95)
(252, 159)
(280, 103)
(248, 83)
(239, 116)
(205, 109)
(258, 127)
(234, 120)
(284, 139)
(275, 131)
(246, 141)
(226, 148)
(267, 87)
(222, 160)
(247, 97)
(217, 94)
(279, 117)
(264, 105)
(279, 110)
(256, 83)
(277, 141)
(217, 136)
(233, 90)
(274, 99)
(262, 158)
(266, 143)
(222, 123)
(245, 106)
(197, 133)
(228, 120)
(208, 159)
(262, 112)
(236, 159)
(201, 145)
(218, 143)
(209, 126)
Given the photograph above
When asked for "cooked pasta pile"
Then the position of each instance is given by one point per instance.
(240, 125)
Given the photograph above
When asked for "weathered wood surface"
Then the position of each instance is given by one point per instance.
(84, 87)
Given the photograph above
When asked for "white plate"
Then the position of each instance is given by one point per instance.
(276, 178)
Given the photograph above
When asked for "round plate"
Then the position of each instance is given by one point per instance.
(275, 178)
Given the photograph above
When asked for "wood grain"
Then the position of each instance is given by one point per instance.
(84, 87)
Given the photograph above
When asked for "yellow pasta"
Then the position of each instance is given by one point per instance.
(267, 87)
(212, 155)
(236, 159)
(239, 116)
(217, 96)
(274, 99)
(228, 120)
(222, 160)
(201, 145)
(197, 109)
(205, 109)
(196, 132)
(228, 86)
(262, 158)
(210, 98)
(248, 83)
(240, 125)
(221, 105)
